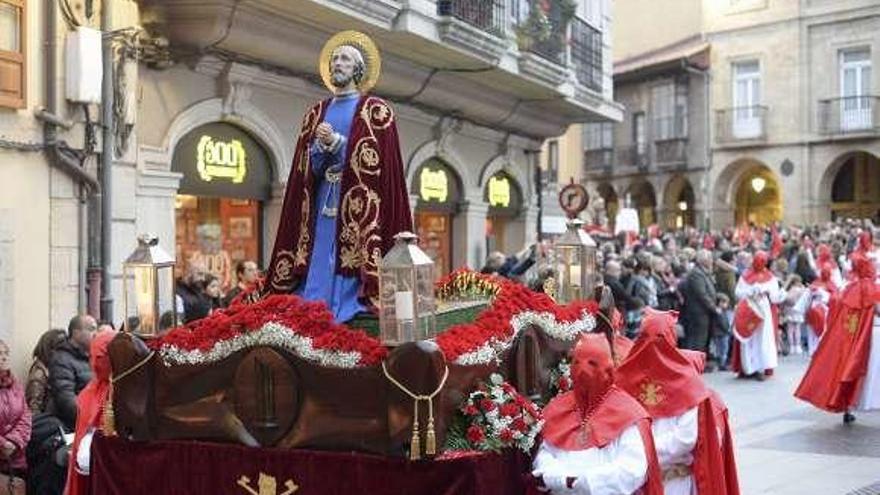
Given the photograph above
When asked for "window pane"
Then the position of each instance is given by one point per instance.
(860, 55)
(10, 20)
(866, 80)
(849, 82)
(746, 68)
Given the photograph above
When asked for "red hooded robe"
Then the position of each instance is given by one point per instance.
(596, 412)
(758, 273)
(90, 407)
(833, 381)
(666, 383)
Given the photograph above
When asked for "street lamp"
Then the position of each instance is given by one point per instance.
(576, 259)
(406, 293)
(148, 288)
(758, 184)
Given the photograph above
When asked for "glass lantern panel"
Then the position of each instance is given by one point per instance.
(570, 272)
(166, 298)
(145, 299)
(426, 305)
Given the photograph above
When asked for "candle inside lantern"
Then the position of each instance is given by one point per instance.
(403, 305)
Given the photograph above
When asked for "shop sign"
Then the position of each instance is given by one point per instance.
(433, 185)
(499, 192)
(221, 160)
(218, 159)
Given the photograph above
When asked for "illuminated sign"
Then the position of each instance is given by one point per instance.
(499, 191)
(217, 159)
(433, 185)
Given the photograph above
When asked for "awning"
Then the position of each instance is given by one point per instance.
(691, 51)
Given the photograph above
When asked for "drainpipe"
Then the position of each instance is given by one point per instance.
(58, 153)
(107, 152)
(707, 146)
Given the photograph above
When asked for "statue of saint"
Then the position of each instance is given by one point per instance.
(346, 196)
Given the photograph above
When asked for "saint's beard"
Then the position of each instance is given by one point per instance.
(341, 79)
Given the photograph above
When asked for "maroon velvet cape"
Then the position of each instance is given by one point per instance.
(373, 206)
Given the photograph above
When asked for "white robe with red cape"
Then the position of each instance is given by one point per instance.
(757, 353)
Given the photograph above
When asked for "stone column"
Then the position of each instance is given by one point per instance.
(469, 235)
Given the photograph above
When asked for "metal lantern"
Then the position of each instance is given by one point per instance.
(406, 293)
(148, 289)
(576, 263)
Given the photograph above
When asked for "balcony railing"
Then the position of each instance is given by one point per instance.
(586, 54)
(543, 34)
(741, 124)
(633, 156)
(599, 159)
(487, 15)
(849, 114)
(671, 152)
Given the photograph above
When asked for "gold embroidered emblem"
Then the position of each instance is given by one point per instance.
(650, 394)
(283, 271)
(549, 287)
(267, 485)
(852, 323)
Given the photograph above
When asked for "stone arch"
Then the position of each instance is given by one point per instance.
(430, 150)
(679, 202)
(850, 185)
(500, 163)
(642, 196)
(248, 117)
(753, 191)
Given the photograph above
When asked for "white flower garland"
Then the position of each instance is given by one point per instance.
(272, 334)
(547, 322)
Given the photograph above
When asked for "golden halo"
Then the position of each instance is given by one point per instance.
(367, 48)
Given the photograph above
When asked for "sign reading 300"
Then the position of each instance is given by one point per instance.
(221, 159)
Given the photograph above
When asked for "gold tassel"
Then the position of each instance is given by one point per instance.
(430, 439)
(109, 419)
(415, 447)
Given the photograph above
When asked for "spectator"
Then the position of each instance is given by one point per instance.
(641, 286)
(211, 292)
(722, 332)
(725, 276)
(494, 262)
(700, 306)
(15, 420)
(37, 387)
(246, 273)
(190, 289)
(622, 299)
(69, 369)
(794, 309)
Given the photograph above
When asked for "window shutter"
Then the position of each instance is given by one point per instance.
(13, 74)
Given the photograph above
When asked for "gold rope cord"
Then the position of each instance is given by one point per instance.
(430, 436)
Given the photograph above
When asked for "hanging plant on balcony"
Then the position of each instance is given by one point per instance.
(535, 29)
(544, 30)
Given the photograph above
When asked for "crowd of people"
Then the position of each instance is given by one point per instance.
(704, 275)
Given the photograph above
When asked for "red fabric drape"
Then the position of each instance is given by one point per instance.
(158, 468)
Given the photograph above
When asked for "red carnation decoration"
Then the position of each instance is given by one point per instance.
(475, 434)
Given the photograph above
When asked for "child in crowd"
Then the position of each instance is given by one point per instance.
(721, 332)
(797, 298)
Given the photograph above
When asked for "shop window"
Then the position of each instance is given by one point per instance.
(12, 54)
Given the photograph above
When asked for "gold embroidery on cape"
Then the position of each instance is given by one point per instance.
(283, 271)
(852, 323)
(266, 485)
(309, 124)
(302, 245)
(361, 206)
(650, 394)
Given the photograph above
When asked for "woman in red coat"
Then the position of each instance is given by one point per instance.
(15, 419)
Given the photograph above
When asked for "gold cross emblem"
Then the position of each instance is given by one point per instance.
(852, 323)
(650, 394)
(267, 485)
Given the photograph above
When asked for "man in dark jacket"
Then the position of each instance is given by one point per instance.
(69, 369)
(622, 298)
(700, 305)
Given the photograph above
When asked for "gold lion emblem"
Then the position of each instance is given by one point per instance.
(651, 394)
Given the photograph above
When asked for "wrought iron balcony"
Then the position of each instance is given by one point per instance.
(599, 159)
(741, 124)
(633, 156)
(586, 54)
(671, 152)
(849, 114)
(486, 15)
